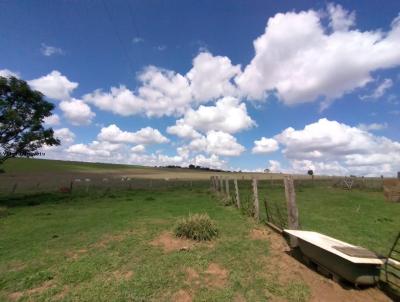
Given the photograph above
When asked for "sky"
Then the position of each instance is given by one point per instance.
(239, 85)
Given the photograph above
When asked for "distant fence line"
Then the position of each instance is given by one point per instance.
(89, 184)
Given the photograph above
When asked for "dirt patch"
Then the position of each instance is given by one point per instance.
(15, 296)
(182, 296)
(33, 291)
(61, 295)
(125, 276)
(169, 243)
(289, 270)
(102, 243)
(216, 276)
(16, 266)
(257, 234)
(193, 277)
(239, 298)
(75, 255)
(106, 240)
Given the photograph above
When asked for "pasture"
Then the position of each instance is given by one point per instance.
(116, 243)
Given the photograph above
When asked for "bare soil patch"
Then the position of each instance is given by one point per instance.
(259, 234)
(321, 288)
(182, 296)
(61, 295)
(216, 276)
(75, 255)
(106, 240)
(37, 290)
(121, 275)
(169, 243)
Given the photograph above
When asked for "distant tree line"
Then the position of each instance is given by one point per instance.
(194, 167)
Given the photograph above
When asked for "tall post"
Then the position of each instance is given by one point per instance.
(221, 184)
(255, 200)
(237, 193)
(228, 195)
(293, 213)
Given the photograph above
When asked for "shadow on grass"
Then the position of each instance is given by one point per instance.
(23, 200)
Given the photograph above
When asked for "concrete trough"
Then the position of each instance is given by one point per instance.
(343, 260)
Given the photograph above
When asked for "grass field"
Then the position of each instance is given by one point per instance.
(98, 248)
(117, 245)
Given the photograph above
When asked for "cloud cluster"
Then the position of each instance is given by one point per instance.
(218, 143)
(265, 146)
(54, 85)
(228, 115)
(299, 60)
(144, 136)
(330, 147)
(77, 112)
(6, 73)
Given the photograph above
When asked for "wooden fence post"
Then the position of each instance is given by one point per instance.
(255, 200)
(221, 184)
(71, 186)
(14, 188)
(293, 213)
(237, 193)
(228, 195)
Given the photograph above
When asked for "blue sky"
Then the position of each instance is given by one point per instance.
(285, 85)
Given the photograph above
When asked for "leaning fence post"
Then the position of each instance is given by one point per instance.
(237, 193)
(228, 195)
(14, 188)
(255, 200)
(293, 213)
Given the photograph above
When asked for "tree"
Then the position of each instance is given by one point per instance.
(22, 111)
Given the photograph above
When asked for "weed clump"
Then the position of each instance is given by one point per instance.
(198, 227)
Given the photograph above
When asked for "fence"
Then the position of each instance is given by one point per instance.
(261, 199)
(89, 184)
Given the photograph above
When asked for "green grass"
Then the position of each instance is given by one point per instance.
(81, 245)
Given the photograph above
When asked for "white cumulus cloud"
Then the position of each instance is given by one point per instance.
(218, 143)
(52, 120)
(228, 115)
(6, 73)
(77, 112)
(65, 135)
(144, 136)
(54, 85)
(265, 145)
(336, 148)
(300, 61)
(211, 77)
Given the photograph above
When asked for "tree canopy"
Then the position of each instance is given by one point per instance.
(22, 113)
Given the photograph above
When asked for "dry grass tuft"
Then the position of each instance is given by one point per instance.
(198, 227)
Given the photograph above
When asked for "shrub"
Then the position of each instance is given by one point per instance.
(197, 227)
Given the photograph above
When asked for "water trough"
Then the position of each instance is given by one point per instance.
(343, 260)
